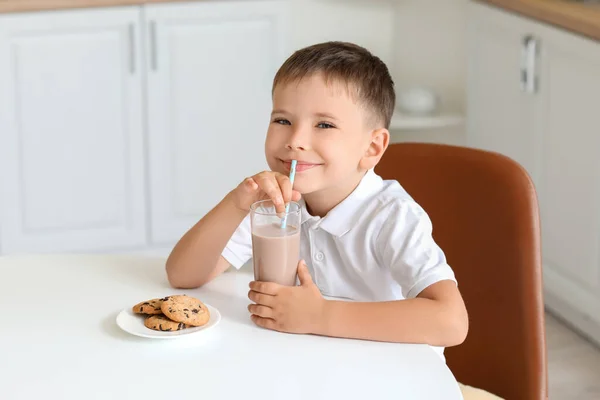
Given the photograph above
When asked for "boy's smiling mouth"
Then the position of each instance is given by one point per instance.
(300, 165)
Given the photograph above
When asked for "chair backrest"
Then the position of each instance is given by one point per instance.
(485, 217)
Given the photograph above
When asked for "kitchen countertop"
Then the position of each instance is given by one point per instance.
(574, 16)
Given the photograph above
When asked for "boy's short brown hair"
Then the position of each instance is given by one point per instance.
(355, 66)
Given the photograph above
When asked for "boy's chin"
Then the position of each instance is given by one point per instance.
(305, 188)
(300, 189)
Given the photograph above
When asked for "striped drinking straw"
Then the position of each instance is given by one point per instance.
(287, 207)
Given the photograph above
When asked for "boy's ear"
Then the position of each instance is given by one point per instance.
(380, 139)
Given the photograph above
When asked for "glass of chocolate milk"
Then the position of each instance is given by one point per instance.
(275, 249)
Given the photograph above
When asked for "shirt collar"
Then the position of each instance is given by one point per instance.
(344, 216)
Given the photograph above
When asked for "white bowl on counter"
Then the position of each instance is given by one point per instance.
(417, 100)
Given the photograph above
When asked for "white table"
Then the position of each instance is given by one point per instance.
(59, 340)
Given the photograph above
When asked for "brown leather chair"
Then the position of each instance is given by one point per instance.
(485, 217)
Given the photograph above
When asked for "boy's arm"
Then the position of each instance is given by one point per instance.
(437, 316)
(196, 258)
(432, 311)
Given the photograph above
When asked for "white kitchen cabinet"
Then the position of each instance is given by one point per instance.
(71, 138)
(501, 115)
(570, 181)
(210, 70)
(555, 135)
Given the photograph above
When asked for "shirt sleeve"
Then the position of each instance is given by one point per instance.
(406, 246)
(239, 248)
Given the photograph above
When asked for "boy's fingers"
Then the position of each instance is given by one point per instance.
(261, 311)
(270, 186)
(269, 288)
(296, 195)
(266, 323)
(261, 298)
(250, 184)
(285, 186)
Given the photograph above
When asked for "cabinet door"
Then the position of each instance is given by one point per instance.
(570, 185)
(501, 115)
(211, 67)
(71, 140)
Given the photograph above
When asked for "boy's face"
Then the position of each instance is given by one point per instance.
(323, 128)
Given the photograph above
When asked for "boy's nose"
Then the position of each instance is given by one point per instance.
(295, 146)
(298, 140)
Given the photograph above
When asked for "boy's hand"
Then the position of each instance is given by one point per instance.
(296, 309)
(262, 186)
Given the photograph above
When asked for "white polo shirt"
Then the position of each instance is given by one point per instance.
(376, 245)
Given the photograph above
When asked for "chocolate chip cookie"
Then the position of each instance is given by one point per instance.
(186, 309)
(151, 307)
(162, 323)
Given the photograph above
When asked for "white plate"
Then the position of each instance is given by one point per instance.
(134, 323)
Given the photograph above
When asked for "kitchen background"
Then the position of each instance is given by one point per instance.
(123, 121)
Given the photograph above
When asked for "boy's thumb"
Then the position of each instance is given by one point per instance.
(303, 274)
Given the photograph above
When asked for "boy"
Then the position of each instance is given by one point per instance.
(363, 239)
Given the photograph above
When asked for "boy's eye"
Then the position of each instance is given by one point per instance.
(324, 125)
(282, 121)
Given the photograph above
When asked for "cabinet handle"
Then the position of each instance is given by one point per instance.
(153, 49)
(529, 80)
(132, 49)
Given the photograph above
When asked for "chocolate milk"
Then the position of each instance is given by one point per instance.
(275, 253)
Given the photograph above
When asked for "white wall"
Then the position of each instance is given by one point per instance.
(421, 41)
(366, 23)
